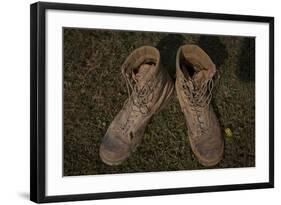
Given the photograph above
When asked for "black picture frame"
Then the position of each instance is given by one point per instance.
(38, 101)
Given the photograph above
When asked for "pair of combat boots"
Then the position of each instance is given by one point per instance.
(150, 87)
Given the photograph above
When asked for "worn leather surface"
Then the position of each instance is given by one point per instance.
(154, 87)
(204, 131)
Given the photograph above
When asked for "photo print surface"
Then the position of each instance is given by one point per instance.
(148, 101)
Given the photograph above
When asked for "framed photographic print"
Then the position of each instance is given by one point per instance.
(129, 102)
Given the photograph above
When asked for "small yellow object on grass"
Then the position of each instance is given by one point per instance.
(228, 132)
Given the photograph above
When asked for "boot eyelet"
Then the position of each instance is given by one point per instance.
(131, 136)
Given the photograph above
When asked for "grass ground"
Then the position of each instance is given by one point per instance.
(94, 92)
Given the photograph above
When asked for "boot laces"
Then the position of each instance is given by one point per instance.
(138, 100)
(199, 99)
(139, 97)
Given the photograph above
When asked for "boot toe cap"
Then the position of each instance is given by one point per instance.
(113, 151)
(210, 157)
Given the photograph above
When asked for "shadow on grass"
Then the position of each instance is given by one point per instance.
(168, 47)
(246, 61)
(214, 48)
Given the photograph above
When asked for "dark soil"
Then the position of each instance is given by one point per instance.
(94, 92)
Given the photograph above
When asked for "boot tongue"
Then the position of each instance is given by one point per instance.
(198, 79)
(142, 74)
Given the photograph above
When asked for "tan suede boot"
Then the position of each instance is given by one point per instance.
(194, 73)
(149, 88)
